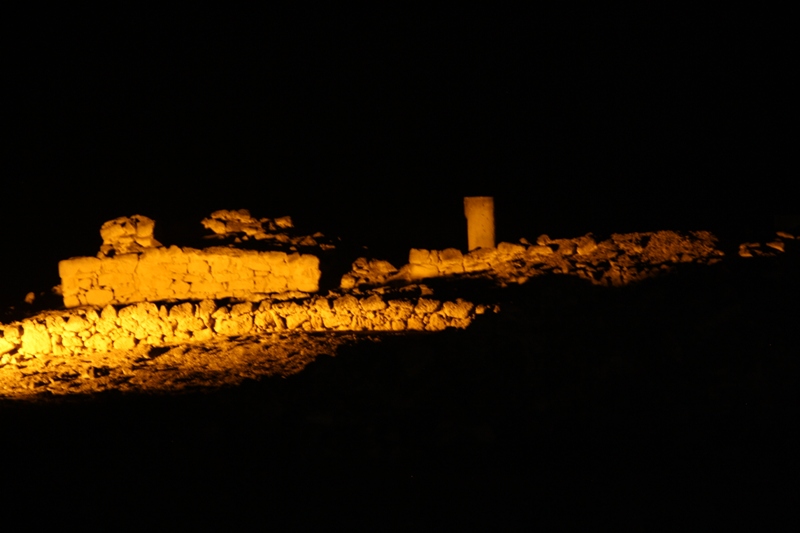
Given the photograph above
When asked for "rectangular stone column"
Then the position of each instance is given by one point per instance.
(479, 211)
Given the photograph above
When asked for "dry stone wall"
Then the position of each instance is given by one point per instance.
(622, 259)
(158, 274)
(87, 330)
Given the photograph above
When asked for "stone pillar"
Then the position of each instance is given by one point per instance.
(479, 211)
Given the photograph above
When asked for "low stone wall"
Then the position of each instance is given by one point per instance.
(622, 259)
(87, 330)
(184, 273)
(425, 264)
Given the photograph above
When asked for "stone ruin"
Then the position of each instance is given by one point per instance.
(239, 226)
(127, 235)
(137, 291)
(133, 267)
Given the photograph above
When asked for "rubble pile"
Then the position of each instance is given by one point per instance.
(87, 329)
(125, 235)
(239, 226)
(622, 259)
(768, 249)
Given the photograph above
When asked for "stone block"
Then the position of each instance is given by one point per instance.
(35, 338)
(476, 266)
(177, 269)
(124, 293)
(6, 346)
(450, 256)
(207, 288)
(479, 211)
(451, 268)
(99, 297)
(373, 303)
(458, 309)
(75, 324)
(124, 264)
(426, 306)
(346, 304)
(72, 267)
(198, 266)
(204, 310)
(241, 309)
(72, 341)
(436, 322)
(510, 249)
(295, 320)
(125, 343)
(202, 335)
(218, 263)
(415, 323)
(399, 309)
(180, 289)
(99, 343)
(419, 257)
(539, 250)
(225, 276)
(421, 271)
(586, 245)
(114, 279)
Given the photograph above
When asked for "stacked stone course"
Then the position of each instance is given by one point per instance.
(87, 330)
(616, 261)
(158, 274)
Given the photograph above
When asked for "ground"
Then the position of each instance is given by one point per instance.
(670, 400)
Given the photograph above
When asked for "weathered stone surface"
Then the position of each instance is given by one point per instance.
(127, 234)
(35, 338)
(400, 309)
(346, 304)
(421, 271)
(99, 297)
(450, 255)
(419, 257)
(373, 303)
(6, 346)
(586, 245)
(479, 211)
(507, 248)
(436, 322)
(164, 273)
(70, 268)
(457, 309)
(76, 323)
(296, 319)
(426, 306)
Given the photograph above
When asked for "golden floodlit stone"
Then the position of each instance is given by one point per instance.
(479, 211)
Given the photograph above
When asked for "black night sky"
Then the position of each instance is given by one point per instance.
(375, 125)
(372, 126)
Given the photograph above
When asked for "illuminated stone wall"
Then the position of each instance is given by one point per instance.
(87, 330)
(424, 264)
(184, 273)
(622, 259)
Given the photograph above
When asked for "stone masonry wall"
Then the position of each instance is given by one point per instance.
(87, 330)
(622, 259)
(184, 273)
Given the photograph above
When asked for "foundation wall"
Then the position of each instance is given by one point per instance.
(87, 330)
(184, 273)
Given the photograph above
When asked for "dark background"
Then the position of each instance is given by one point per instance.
(374, 125)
